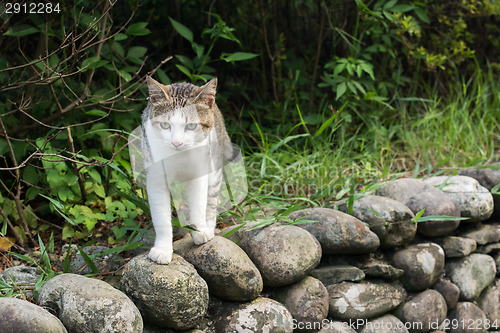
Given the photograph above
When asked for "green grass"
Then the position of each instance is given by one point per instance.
(317, 165)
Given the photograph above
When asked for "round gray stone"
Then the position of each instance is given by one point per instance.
(227, 269)
(487, 177)
(23, 277)
(336, 327)
(307, 301)
(423, 265)
(337, 232)
(260, 315)
(388, 218)
(172, 295)
(402, 189)
(418, 195)
(20, 316)
(284, 254)
(349, 300)
(337, 273)
(473, 200)
(456, 247)
(467, 318)
(450, 292)
(382, 270)
(434, 202)
(484, 234)
(89, 305)
(427, 308)
(489, 302)
(385, 324)
(20, 275)
(472, 274)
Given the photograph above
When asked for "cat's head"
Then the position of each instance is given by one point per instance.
(182, 113)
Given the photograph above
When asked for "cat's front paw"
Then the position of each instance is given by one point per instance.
(202, 236)
(160, 256)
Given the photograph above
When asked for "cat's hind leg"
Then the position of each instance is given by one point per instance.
(214, 186)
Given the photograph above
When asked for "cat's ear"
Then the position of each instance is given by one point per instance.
(157, 93)
(207, 92)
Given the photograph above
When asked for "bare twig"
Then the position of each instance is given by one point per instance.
(81, 183)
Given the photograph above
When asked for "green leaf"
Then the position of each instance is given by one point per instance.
(87, 63)
(90, 224)
(403, 8)
(422, 15)
(30, 217)
(56, 203)
(367, 68)
(119, 37)
(185, 61)
(66, 258)
(139, 202)
(30, 175)
(341, 89)
(495, 189)
(439, 218)
(126, 76)
(120, 248)
(89, 261)
(99, 190)
(58, 207)
(232, 231)
(182, 30)
(198, 49)
(118, 48)
(21, 30)
(22, 257)
(339, 68)
(68, 232)
(119, 232)
(184, 70)
(238, 56)
(65, 193)
(94, 174)
(96, 112)
(138, 29)
(418, 215)
(163, 77)
(301, 221)
(136, 52)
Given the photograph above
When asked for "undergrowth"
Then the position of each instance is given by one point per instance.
(317, 165)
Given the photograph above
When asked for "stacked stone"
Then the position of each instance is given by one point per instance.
(376, 270)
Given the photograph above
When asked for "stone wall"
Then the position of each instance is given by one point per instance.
(375, 271)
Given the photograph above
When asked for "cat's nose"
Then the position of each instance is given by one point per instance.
(177, 144)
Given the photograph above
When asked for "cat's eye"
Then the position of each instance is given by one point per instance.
(165, 125)
(191, 126)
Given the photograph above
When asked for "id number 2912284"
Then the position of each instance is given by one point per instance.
(32, 8)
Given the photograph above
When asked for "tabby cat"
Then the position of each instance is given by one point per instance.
(184, 134)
